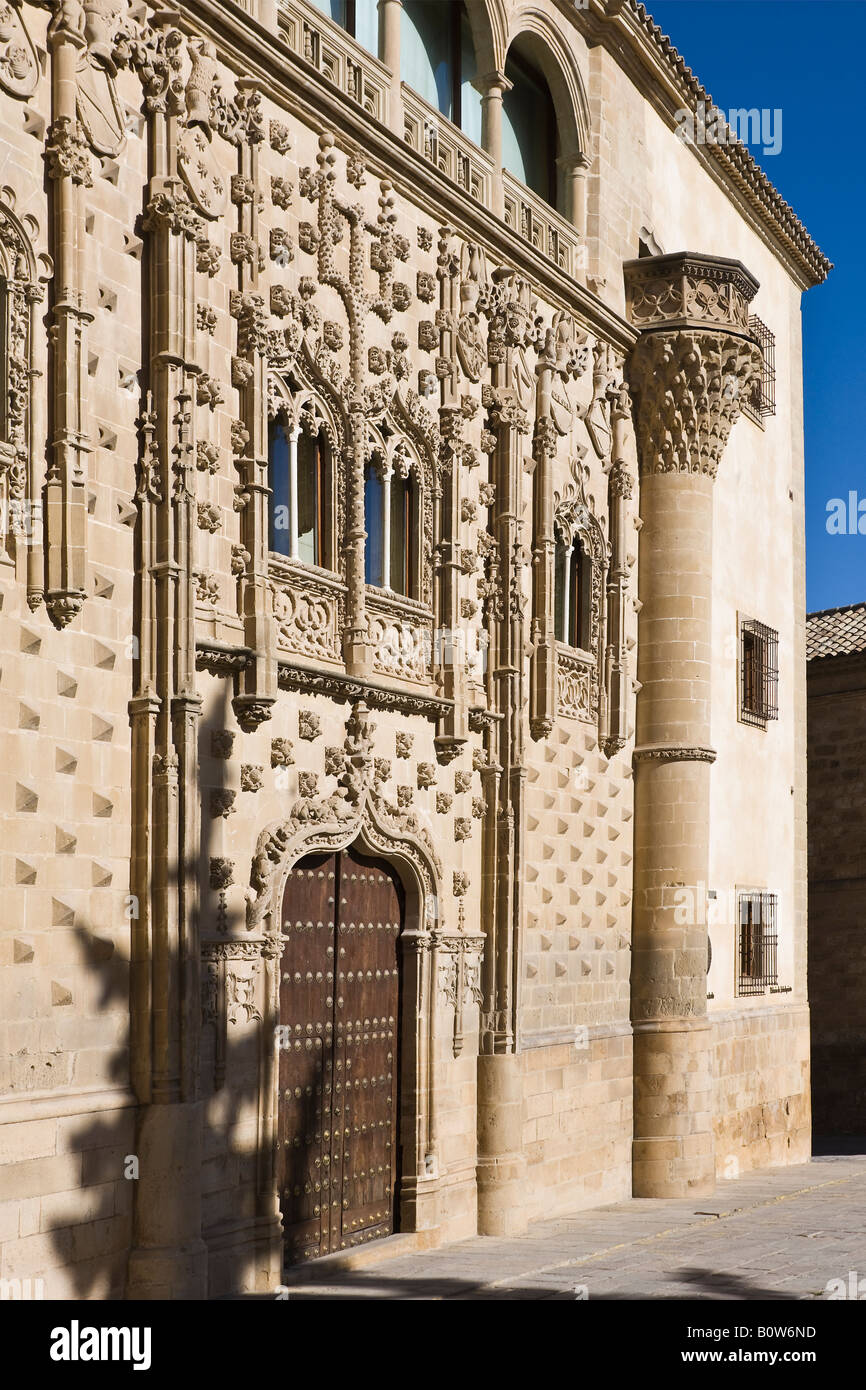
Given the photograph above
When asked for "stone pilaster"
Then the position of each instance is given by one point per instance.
(689, 371)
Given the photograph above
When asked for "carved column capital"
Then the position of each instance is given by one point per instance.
(695, 360)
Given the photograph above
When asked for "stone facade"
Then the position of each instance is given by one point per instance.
(248, 219)
(836, 645)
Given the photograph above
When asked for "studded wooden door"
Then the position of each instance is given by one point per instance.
(339, 1064)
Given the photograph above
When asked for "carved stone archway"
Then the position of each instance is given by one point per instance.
(359, 812)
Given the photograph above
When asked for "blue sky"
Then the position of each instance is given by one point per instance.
(806, 58)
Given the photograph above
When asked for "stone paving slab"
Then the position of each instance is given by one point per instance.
(779, 1234)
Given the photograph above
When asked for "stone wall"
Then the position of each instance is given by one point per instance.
(837, 892)
(236, 237)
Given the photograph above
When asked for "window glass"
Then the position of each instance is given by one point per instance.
(425, 53)
(401, 535)
(310, 500)
(559, 591)
(278, 456)
(367, 25)
(374, 526)
(360, 18)
(334, 9)
(470, 97)
(529, 130)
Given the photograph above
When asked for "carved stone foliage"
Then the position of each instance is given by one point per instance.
(400, 640)
(577, 686)
(690, 387)
(308, 613)
(358, 804)
(695, 361)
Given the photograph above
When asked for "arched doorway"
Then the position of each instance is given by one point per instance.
(339, 1063)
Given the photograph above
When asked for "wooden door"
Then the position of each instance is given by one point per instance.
(339, 1072)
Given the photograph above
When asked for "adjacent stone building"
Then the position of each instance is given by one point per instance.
(403, 634)
(836, 687)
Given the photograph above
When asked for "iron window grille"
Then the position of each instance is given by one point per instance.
(759, 673)
(759, 940)
(762, 400)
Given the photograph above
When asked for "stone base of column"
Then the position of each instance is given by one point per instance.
(673, 1153)
(169, 1259)
(501, 1163)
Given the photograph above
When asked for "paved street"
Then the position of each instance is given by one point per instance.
(781, 1234)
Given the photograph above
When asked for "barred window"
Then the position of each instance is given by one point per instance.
(763, 397)
(759, 673)
(757, 957)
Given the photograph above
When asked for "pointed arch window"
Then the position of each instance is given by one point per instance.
(301, 488)
(573, 609)
(391, 520)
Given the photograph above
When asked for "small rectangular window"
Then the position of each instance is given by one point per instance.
(757, 964)
(759, 673)
(762, 401)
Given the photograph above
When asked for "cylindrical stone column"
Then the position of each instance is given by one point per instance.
(492, 88)
(689, 370)
(389, 52)
(673, 1139)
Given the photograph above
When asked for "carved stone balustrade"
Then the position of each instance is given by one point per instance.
(309, 606)
(401, 635)
(334, 54)
(446, 147)
(542, 226)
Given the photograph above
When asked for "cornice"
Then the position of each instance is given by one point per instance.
(347, 689)
(661, 74)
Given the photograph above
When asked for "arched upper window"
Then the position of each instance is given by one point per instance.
(391, 520)
(300, 480)
(529, 132)
(437, 60)
(360, 18)
(573, 612)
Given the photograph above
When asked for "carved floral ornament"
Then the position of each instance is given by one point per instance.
(689, 387)
(22, 290)
(358, 805)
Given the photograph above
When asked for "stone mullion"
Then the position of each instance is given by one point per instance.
(542, 709)
(501, 1159)
(65, 488)
(616, 677)
(35, 455)
(169, 1257)
(257, 683)
(451, 663)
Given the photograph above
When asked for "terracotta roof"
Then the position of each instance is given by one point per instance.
(739, 164)
(836, 631)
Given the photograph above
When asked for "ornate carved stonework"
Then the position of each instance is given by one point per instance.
(695, 361)
(696, 289)
(577, 685)
(19, 63)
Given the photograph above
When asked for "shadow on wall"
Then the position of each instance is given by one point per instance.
(92, 1227)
